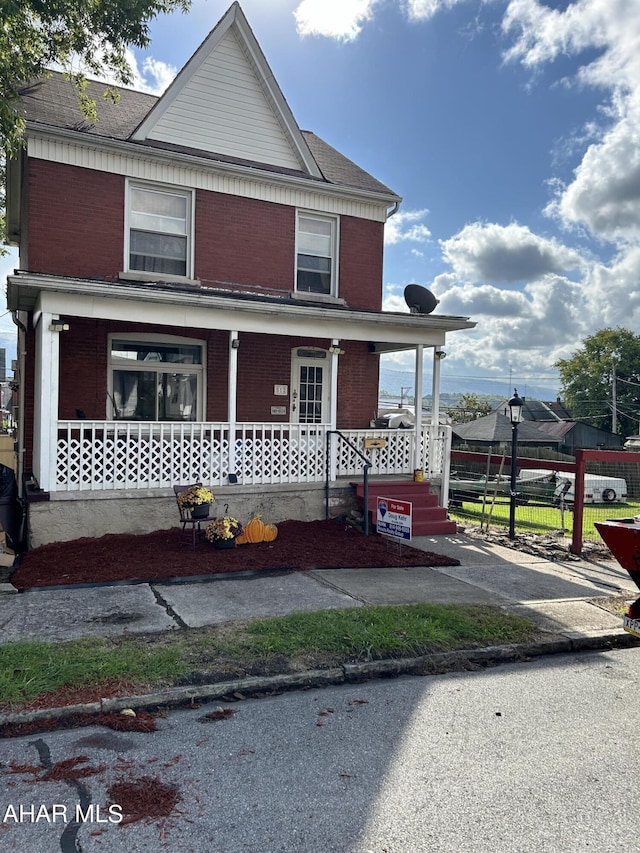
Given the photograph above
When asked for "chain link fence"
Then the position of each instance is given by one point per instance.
(547, 500)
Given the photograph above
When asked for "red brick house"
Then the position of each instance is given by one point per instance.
(199, 298)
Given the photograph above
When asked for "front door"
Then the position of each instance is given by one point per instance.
(310, 386)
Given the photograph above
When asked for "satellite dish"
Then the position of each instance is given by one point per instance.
(419, 299)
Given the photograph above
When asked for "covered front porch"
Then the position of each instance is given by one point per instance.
(251, 355)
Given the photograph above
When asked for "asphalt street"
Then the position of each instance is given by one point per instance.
(524, 757)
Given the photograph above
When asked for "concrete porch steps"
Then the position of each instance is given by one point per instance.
(429, 519)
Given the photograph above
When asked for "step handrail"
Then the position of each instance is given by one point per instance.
(365, 475)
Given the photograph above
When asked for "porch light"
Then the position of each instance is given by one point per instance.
(58, 326)
(440, 354)
(515, 406)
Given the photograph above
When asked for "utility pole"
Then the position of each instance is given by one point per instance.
(614, 401)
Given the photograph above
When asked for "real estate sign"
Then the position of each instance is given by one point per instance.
(393, 518)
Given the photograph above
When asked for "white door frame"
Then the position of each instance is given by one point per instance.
(300, 360)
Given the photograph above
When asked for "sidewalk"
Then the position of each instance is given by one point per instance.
(564, 598)
(570, 601)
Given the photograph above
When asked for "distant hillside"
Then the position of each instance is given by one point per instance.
(393, 381)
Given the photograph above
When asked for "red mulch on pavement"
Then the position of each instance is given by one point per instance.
(300, 546)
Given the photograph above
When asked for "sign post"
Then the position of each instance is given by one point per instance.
(393, 518)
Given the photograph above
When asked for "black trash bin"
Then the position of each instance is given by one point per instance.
(10, 507)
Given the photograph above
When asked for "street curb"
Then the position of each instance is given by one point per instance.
(431, 664)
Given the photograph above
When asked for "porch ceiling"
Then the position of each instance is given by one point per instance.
(197, 307)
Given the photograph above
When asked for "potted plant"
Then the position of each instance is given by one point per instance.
(224, 531)
(197, 499)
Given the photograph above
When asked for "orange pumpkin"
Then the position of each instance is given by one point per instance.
(270, 532)
(242, 539)
(254, 530)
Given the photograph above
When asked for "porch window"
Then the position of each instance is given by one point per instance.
(316, 238)
(159, 226)
(156, 380)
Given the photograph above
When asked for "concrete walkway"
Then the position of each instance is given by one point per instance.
(565, 597)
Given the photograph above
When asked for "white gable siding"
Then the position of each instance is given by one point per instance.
(224, 110)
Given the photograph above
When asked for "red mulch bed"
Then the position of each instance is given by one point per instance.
(299, 546)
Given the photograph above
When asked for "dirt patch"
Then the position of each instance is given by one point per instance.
(550, 546)
(299, 546)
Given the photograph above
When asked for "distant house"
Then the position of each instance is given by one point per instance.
(555, 420)
(494, 430)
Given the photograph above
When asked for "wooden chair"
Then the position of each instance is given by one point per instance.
(195, 533)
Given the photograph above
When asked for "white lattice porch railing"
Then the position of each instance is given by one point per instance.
(96, 455)
(125, 455)
(398, 455)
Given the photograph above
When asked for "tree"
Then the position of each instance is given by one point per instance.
(469, 408)
(604, 371)
(81, 36)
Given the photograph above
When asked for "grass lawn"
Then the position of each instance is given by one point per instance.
(61, 671)
(533, 518)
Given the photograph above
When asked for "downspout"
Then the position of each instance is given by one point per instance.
(393, 210)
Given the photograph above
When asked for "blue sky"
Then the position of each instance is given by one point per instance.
(511, 128)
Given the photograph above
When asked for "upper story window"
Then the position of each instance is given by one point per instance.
(159, 230)
(316, 267)
(157, 378)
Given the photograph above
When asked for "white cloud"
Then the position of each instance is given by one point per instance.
(612, 293)
(421, 10)
(338, 19)
(406, 226)
(155, 76)
(505, 254)
(344, 19)
(484, 300)
(604, 194)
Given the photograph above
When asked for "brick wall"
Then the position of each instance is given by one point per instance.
(245, 241)
(263, 361)
(76, 228)
(361, 252)
(76, 221)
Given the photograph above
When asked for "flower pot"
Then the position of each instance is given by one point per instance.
(224, 543)
(200, 511)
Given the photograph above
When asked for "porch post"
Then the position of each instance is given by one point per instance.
(47, 389)
(417, 450)
(232, 395)
(334, 354)
(434, 432)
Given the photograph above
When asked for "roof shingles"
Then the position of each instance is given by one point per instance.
(54, 102)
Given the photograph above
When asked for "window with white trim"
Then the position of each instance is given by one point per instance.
(316, 239)
(155, 379)
(159, 230)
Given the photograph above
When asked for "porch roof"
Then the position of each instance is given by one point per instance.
(196, 306)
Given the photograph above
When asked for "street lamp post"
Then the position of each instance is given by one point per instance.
(515, 405)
